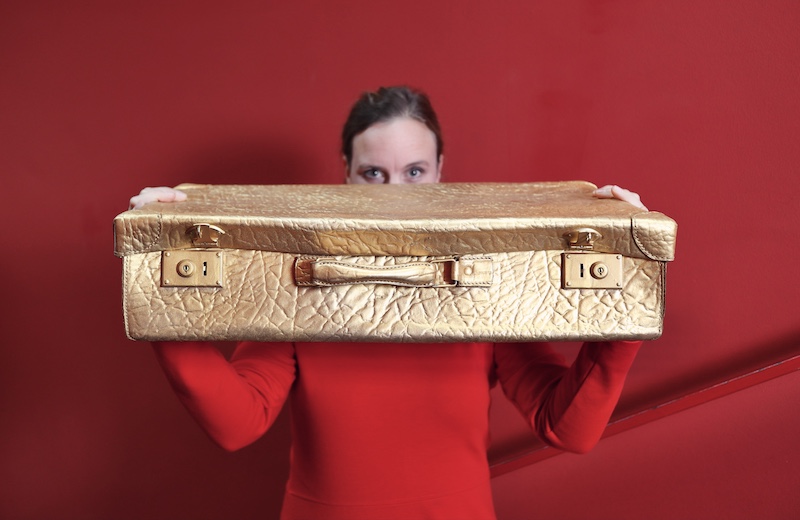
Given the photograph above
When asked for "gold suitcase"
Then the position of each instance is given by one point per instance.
(396, 263)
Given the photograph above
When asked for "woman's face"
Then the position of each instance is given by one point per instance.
(398, 151)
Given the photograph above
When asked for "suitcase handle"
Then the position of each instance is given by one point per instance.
(465, 271)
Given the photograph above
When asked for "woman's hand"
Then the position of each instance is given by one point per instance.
(160, 194)
(615, 192)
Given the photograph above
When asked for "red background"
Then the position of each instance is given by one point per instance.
(692, 104)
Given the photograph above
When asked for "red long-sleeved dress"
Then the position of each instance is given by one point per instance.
(394, 431)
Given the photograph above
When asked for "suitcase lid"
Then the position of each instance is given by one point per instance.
(402, 219)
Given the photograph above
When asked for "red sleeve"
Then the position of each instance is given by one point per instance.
(568, 407)
(234, 401)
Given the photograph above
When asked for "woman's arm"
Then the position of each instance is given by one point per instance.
(234, 402)
(568, 407)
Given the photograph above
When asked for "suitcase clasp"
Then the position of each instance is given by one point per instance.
(582, 239)
(205, 235)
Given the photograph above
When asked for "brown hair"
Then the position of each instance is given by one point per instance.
(385, 104)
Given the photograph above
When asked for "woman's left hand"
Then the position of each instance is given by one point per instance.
(615, 192)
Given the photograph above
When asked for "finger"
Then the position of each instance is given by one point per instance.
(628, 196)
(159, 194)
(135, 202)
(171, 196)
(604, 192)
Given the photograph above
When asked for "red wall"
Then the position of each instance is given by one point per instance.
(730, 458)
(692, 104)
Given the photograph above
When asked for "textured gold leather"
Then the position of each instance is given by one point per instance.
(382, 251)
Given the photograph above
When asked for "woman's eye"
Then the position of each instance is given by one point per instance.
(415, 172)
(372, 174)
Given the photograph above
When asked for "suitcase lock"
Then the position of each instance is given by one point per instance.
(199, 267)
(191, 268)
(582, 268)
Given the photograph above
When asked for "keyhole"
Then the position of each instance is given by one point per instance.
(185, 268)
(599, 270)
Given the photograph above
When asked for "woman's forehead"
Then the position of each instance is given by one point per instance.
(399, 136)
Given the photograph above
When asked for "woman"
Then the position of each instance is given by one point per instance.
(386, 430)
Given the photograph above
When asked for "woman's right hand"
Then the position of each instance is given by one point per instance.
(160, 194)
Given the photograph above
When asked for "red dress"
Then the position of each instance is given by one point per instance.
(394, 430)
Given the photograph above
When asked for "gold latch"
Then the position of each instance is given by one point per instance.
(191, 268)
(591, 271)
(582, 239)
(205, 235)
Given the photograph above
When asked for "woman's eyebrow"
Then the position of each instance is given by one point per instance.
(369, 166)
(423, 162)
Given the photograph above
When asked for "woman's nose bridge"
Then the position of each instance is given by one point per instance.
(394, 178)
